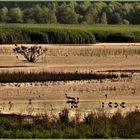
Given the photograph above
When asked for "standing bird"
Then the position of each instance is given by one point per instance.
(106, 96)
(73, 101)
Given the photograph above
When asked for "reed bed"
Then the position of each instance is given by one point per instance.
(6, 77)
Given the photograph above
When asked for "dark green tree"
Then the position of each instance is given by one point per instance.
(90, 16)
(136, 14)
(103, 18)
(116, 18)
(38, 14)
(4, 14)
(51, 16)
(28, 16)
(15, 15)
(67, 15)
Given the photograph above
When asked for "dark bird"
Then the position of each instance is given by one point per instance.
(68, 97)
(110, 104)
(122, 104)
(73, 101)
(102, 104)
(116, 105)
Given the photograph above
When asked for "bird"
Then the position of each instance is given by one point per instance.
(68, 97)
(122, 104)
(77, 100)
(116, 105)
(106, 95)
(73, 101)
(30, 101)
(110, 104)
(102, 104)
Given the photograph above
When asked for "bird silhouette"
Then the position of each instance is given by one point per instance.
(73, 101)
(122, 104)
(68, 97)
(105, 95)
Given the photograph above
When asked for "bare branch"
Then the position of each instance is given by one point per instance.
(31, 54)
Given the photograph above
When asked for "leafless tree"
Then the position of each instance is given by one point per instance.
(30, 53)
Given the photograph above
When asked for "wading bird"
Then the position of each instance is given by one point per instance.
(73, 101)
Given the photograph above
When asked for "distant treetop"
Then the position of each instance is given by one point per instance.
(71, 12)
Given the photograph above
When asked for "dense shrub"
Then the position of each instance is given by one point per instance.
(119, 37)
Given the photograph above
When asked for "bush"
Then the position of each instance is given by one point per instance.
(119, 37)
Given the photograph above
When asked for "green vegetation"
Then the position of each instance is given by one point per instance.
(70, 12)
(43, 34)
(6, 77)
(92, 126)
(61, 13)
(67, 34)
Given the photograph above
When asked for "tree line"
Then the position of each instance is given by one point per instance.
(71, 12)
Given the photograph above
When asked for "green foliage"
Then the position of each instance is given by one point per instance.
(97, 126)
(15, 15)
(10, 35)
(68, 34)
(125, 21)
(67, 15)
(116, 18)
(70, 12)
(104, 18)
(4, 14)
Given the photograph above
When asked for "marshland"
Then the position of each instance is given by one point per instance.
(85, 84)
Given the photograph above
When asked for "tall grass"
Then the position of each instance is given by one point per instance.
(92, 126)
(67, 34)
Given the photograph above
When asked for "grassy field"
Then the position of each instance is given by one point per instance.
(96, 27)
(67, 34)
